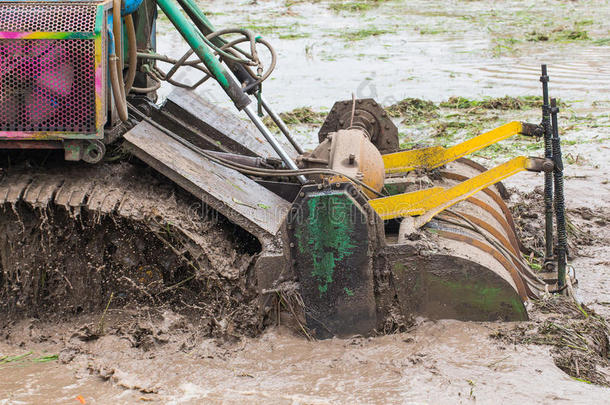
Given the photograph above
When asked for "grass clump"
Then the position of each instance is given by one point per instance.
(498, 103)
(413, 110)
(364, 33)
(558, 35)
(577, 336)
(355, 6)
(294, 35)
(602, 41)
(298, 116)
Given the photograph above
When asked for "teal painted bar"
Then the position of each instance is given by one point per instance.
(193, 38)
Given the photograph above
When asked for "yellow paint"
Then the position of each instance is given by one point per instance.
(100, 119)
(435, 156)
(429, 202)
(403, 204)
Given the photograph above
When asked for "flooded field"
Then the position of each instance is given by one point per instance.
(388, 50)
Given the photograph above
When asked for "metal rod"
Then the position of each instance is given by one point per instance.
(279, 149)
(282, 126)
(562, 238)
(548, 176)
(193, 37)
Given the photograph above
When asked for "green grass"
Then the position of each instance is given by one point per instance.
(299, 116)
(295, 35)
(272, 28)
(26, 357)
(431, 31)
(358, 35)
(355, 6)
(602, 41)
(498, 103)
(558, 35)
(413, 110)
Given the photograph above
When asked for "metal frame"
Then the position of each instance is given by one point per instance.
(99, 36)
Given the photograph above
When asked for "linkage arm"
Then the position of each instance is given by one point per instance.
(429, 202)
(435, 156)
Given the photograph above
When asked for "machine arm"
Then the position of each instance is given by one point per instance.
(429, 202)
(195, 41)
(436, 156)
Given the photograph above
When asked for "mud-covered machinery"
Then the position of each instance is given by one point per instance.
(362, 227)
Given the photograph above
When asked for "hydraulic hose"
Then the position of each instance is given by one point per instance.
(121, 88)
(117, 30)
(115, 61)
(133, 53)
(261, 172)
(116, 81)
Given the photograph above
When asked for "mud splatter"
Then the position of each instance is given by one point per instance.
(578, 337)
(156, 248)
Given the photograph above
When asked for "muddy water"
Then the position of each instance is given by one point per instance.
(28, 383)
(437, 362)
(431, 49)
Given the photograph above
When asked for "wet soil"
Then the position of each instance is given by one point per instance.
(578, 337)
(158, 248)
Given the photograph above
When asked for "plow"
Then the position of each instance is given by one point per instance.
(360, 228)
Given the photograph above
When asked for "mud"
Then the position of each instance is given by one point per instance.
(585, 225)
(157, 248)
(435, 362)
(578, 336)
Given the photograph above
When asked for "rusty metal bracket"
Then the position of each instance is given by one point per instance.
(368, 115)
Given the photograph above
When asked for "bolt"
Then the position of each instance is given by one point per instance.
(352, 158)
(302, 194)
(384, 114)
(319, 186)
(291, 244)
(338, 185)
(548, 165)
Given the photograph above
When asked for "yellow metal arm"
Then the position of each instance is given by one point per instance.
(435, 156)
(429, 202)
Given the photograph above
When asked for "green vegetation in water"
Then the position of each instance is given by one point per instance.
(431, 31)
(577, 335)
(294, 35)
(355, 6)
(602, 41)
(557, 36)
(413, 110)
(498, 103)
(358, 35)
(272, 29)
(504, 46)
(298, 116)
(26, 357)
(303, 115)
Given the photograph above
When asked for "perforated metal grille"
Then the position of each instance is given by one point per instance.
(47, 85)
(47, 17)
